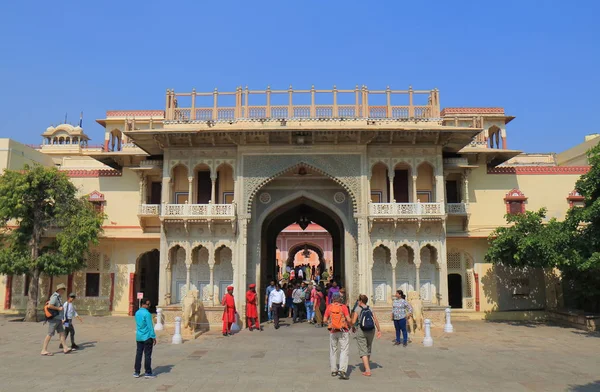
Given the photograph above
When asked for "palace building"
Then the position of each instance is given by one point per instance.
(385, 189)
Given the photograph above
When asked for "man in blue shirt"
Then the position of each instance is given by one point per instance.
(145, 338)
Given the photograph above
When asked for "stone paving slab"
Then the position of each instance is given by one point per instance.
(478, 356)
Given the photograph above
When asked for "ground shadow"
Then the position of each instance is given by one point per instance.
(591, 387)
(587, 334)
(163, 369)
(84, 345)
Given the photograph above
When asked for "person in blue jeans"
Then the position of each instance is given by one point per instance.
(145, 339)
(270, 288)
(401, 310)
(310, 311)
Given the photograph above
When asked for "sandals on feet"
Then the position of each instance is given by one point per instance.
(47, 354)
(367, 374)
(68, 351)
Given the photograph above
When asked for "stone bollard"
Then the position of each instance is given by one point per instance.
(448, 326)
(427, 340)
(159, 324)
(177, 339)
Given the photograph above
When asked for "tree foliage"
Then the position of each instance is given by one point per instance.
(45, 227)
(571, 245)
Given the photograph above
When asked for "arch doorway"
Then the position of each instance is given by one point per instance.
(302, 211)
(455, 291)
(147, 270)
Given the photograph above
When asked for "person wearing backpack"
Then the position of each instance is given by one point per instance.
(365, 324)
(338, 320)
(53, 311)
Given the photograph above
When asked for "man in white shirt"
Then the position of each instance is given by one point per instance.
(69, 314)
(276, 301)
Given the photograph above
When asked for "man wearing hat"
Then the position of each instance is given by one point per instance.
(55, 324)
(229, 312)
(251, 309)
(70, 314)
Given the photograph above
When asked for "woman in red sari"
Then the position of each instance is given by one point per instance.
(229, 312)
(251, 308)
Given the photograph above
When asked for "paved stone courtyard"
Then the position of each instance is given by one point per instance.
(478, 356)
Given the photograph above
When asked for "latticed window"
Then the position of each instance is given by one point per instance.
(515, 202)
(469, 284)
(454, 260)
(92, 284)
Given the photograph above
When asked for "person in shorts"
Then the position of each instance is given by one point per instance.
(55, 324)
(364, 338)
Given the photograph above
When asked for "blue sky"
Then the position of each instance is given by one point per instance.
(537, 59)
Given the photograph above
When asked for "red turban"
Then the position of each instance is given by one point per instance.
(229, 288)
(252, 286)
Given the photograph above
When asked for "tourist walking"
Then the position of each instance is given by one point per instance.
(276, 301)
(251, 308)
(401, 311)
(332, 290)
(364, 324)
(270, 288)
(298, 299)
(229, 312)
(308, 304)
(319, 306)
(145, 340)
(69, 314)
(55, 323)
(338, 321)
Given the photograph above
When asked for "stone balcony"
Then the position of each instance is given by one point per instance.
(394, 212)
(457, 208)
(154, 213)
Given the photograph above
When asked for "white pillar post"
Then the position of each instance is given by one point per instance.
(448, 326)
(391, 181)
(177, 339)
(212, 284)
(414, 189)
(427, 340)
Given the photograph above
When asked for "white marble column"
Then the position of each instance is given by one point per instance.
(439, 187)
(168, 282)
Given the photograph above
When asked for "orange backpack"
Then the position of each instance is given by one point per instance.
(337, 320)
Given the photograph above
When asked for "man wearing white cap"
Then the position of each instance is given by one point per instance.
(55, 324)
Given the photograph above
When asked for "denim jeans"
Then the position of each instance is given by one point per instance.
(146, 349)
(400, 325)
(310, 311)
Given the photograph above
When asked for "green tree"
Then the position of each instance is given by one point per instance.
(44, 226)
(529, 241)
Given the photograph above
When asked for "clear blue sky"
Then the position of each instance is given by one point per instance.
(537, 59)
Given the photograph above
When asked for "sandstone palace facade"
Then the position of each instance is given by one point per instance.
(394, 192)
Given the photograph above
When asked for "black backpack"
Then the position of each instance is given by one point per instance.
(367, 322)
(307, 295)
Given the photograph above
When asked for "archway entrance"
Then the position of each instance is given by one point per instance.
(455, 291)
(302, 211)
(146, 277)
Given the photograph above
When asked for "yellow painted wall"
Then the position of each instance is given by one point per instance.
(425, 179)
(225, 182)
(487, 192)
(379, 182)
(14, 156)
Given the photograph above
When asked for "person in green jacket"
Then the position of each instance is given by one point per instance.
(145, 338)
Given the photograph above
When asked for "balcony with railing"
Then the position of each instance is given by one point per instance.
(284, 104)
(406, 210)
(457, 208)
(198, 211)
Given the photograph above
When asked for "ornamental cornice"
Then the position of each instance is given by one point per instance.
(539, 170)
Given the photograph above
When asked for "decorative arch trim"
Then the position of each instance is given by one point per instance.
(251, 195)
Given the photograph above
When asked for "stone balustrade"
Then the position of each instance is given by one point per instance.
(198, 211)
(149, 210)
(457, 208)
(456, 161)
(409, 210)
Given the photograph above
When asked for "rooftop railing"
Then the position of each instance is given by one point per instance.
(286, 107)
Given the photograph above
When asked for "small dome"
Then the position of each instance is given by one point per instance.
(50, 129)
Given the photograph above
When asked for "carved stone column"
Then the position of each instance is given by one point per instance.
(211, 283)
(414, 189)
(191, 190)
(164, 282)
(443, 275)
(417, 260)
(213, 190)
(465, 178)
(439, 187)
(391, 181)
(143, 185)
(166, 190)
(168, 280)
